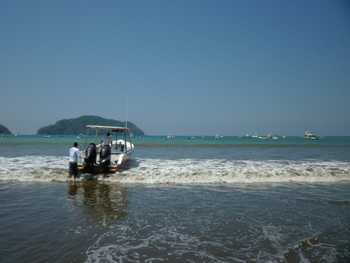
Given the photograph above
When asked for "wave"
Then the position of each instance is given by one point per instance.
(34, 168)
(184, 171)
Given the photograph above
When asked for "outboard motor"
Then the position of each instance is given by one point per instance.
(90, 155)
(105, 156)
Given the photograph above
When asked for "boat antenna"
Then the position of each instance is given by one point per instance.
(126, 111)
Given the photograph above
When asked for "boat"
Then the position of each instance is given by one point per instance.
(265, 137)
(217, 137)
(109, 156)
(309, 135)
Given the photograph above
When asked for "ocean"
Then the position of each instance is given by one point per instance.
(182, 199)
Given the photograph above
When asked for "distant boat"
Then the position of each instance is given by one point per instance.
(265, 137)
(262, 137)
(217, 136)
(309, 135)
(247, 136)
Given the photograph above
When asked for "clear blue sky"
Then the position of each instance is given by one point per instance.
(186, 67)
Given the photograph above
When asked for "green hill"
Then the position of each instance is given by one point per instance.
(4, 130)
(78, 125)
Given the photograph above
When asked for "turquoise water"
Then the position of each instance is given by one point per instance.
(185, 140)
(337, 148)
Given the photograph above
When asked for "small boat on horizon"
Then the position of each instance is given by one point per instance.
(309, 135)
(262, 137)
(217, 136)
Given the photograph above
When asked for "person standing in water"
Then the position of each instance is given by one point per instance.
(74, 154)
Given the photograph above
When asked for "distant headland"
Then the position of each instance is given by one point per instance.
(4, 130)
(78, 125)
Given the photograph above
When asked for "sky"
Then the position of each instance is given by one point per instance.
(178, 67)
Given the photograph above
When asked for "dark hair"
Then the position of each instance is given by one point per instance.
(75, 144)
(108, 134)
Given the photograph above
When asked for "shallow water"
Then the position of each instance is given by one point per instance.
(182, 200)
(97, 222)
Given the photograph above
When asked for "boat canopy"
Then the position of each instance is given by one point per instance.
(111, 128)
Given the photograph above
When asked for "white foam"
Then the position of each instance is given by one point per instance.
(184, 171)
(216, 171)
(125, 244)
(34, 168)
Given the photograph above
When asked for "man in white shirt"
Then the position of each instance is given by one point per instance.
(108, 140)
(74, 154)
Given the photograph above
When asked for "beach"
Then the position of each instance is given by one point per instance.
(175, 131)
(184, 199)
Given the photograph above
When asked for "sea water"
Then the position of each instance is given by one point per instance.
(183, 199)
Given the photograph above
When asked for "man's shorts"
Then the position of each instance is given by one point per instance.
(73, 169)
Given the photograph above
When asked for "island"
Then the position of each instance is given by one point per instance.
(77, 126)
(4, 130)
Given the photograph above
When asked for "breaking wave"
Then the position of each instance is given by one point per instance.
(184, 171)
